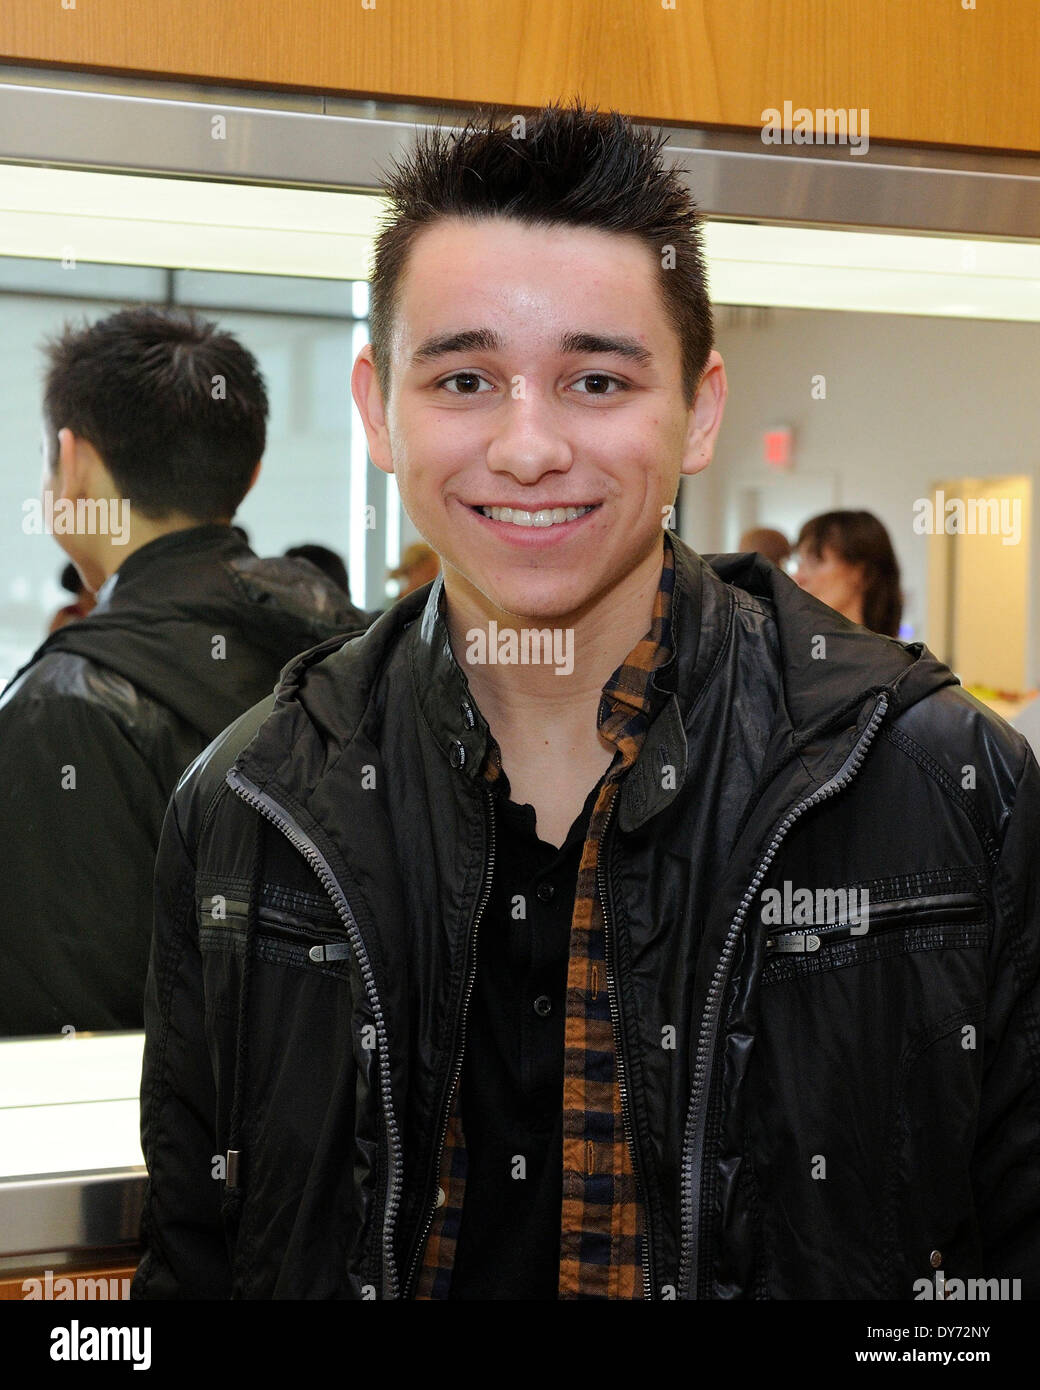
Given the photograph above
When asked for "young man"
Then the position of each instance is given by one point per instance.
(474, 973)
(154, 429)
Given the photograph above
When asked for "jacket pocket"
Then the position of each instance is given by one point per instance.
(288, 1048)
(282, 938)
(931, 921)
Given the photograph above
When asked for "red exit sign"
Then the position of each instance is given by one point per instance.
(778, 447)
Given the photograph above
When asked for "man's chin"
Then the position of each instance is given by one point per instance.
(536, 605)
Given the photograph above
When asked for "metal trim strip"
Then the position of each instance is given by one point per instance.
(732, 174)
(71, 1211)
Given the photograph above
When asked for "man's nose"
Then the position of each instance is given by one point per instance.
(529, 439)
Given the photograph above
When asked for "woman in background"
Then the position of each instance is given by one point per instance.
(846, 560)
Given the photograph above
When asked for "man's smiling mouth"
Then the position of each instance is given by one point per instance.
(545, 516)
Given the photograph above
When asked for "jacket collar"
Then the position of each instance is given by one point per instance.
(829, 687)
(444, 692)
(825, 699)
(184, 544)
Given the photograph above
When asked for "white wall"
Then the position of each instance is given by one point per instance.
(909, 401)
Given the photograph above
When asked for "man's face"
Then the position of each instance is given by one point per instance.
(564, 394)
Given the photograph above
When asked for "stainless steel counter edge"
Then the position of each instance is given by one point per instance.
(71, 1211)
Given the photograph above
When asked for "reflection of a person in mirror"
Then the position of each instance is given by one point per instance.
(84, 604)
(419, 565)
(846, 560)
(189, 629)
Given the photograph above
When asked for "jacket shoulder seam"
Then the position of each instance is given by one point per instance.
(910, 746)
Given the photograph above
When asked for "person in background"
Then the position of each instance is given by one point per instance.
(83, 605)
(846, 560)
(190, 629)
(774, 545)
(419, 565)
(330, 564)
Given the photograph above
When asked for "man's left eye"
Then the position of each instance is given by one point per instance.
(602, 377)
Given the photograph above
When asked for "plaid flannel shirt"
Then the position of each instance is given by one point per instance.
(602, 1223)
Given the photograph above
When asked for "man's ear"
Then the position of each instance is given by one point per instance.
(364, 387)
(253, 477)
(68, 472)
(80, 470)
(705, 418)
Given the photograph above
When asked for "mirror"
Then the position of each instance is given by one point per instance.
(902, 365)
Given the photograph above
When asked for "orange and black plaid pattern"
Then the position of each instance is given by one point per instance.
(601, 1237)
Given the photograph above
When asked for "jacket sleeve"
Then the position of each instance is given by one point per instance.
(185, 1253)
(1007, 1156)
(80, 813)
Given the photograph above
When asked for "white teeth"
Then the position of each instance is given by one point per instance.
(548, 516)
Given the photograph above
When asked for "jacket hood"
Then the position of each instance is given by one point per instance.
(825, 681)
(160, 615)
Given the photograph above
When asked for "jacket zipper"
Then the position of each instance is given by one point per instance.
(903, 914)
(615, 1019)
(693, 1147)
(460, 1050)
(277, 816)
(328, 947)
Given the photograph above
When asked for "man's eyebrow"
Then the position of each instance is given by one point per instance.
(618, 346)
(468, 340)
(485, 340)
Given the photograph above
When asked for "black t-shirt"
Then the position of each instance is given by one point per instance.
(512, 1071)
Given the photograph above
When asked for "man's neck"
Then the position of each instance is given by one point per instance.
(514, 696)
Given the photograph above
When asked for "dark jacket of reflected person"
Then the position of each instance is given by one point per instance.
(94, 734)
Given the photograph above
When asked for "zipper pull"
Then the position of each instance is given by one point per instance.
(335, 950)
(798, 943)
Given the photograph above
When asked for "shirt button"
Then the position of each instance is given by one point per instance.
(545, 891)
(441, 1198)
(543, 1006)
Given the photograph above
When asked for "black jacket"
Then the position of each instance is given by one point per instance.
(829, 1122)
(95, 731)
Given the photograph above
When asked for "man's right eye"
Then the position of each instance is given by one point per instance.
(467, 377)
